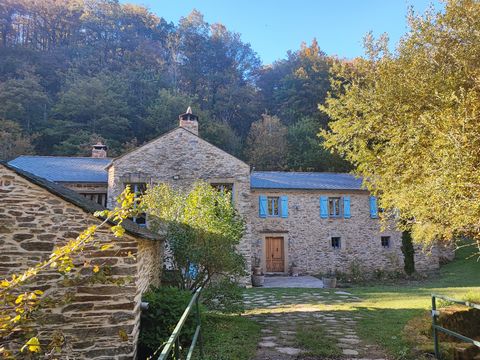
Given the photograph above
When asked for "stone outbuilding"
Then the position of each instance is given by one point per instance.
(91, 315)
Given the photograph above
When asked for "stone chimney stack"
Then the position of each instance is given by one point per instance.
(99, 150)
(189, 121)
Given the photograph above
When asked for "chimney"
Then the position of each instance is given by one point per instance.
(99, 150)
(189, 121)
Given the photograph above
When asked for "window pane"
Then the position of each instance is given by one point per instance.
(334, 207)
(273, 206)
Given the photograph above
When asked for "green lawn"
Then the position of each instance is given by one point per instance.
(230, 337)
(387, 309)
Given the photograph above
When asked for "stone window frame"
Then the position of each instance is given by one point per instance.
(136, 178)
(216, 181)
(333, 241)
(271, 201)
(388, 241)
(340, 207)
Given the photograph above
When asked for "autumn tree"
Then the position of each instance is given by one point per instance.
(12, 141)
(408, 121)
(267, 144)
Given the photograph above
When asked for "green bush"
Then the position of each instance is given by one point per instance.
(224, 296)
(166, 306)
(408, 252)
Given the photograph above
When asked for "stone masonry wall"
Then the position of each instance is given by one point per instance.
(98, 315)
(180, 158)
(308, 236)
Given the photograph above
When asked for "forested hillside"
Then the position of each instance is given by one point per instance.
(73, 72)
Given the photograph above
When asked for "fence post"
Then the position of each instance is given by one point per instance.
(200, 339)
(177, 349)
(434, 326)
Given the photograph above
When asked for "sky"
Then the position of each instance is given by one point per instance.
(273, 27)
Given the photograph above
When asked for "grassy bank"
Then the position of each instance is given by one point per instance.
(387, 309)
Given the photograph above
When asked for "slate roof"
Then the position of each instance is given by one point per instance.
(64, 169)
(304, 180)
(80, 201)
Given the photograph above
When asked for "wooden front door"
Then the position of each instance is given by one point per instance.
(275, 254)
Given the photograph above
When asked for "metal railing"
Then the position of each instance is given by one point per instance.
(437, 328)
(173, 342)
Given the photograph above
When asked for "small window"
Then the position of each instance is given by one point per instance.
(385, 241)
(336, 242)
(99, 198)
(138, 189)
(272, 206)
(224, 187)
(334, 208)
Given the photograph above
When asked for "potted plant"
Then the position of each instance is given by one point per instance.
(329, 280)
(294, 269)
(257, 274)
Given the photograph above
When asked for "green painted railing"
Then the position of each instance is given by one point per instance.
(173, 342)
(437, 328)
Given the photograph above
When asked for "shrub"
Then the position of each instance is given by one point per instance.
(224, 296)
(408, 253)
(166, 305)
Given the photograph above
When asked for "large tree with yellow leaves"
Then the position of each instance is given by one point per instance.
(410, 122)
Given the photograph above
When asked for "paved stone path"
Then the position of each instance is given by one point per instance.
(282, 312)
(307, 281)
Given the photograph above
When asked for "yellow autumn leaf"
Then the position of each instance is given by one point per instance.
(96, 269)
(106, 247)
(33, 345)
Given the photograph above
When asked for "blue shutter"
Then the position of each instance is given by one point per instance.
(324, 207)
(262, 206)
(346, 207)
(373, 207)
(284, 206)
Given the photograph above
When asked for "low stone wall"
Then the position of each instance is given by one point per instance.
(90, 315)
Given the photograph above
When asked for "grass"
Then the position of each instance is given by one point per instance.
(230, 337)
(388, 309)
(316, 341)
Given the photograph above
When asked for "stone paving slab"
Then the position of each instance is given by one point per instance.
(306, 281)
(282, 313)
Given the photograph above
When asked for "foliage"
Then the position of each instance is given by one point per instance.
(306, 151)
(19, 301)
(117, 71)
(292, 88)
(409, 122)
(203, 230)
(408, 253)
(12, 141)
(267, 144)
(224, 295)
(165, 307)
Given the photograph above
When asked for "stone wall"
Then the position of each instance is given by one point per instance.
(180, 158)
(96, 314)
(307, 237)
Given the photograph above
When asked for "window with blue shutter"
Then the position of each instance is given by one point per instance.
(373, 207)
(346, 207)
(284, 206)
(262, 206)
(323, 207)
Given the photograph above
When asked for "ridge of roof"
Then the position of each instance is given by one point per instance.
(79, 201)
(166, 133)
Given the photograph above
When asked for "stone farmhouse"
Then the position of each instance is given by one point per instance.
(91, 316)
(320, 222)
